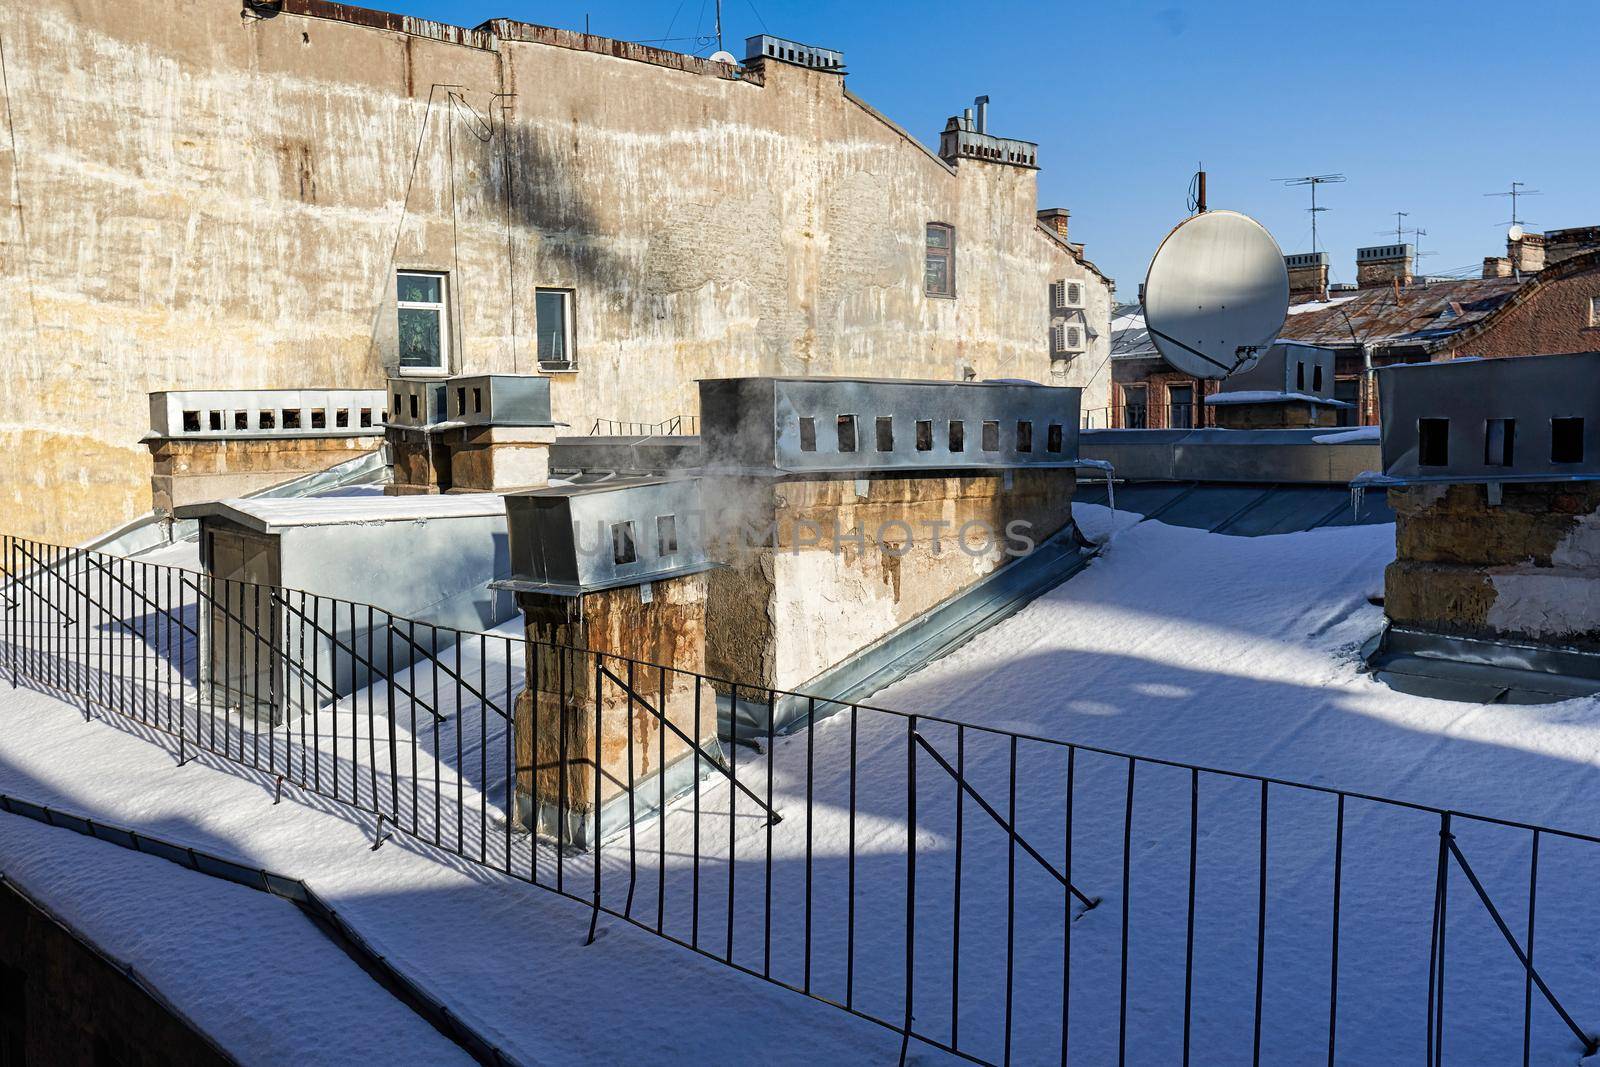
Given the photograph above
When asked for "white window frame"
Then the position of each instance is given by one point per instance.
(568, 302)
(1594, 311)
(442, 307)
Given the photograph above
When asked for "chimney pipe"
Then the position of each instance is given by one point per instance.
(966, 115)
(983, 113)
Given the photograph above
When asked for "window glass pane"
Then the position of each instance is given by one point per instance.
(419, 289)
(419, 338)
(551, 309)
(938, 274)
(938, 237)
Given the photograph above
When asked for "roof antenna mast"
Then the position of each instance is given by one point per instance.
(1515, 191)
(1313, 180)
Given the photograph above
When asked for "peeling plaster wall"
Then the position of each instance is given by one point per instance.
(203, 200)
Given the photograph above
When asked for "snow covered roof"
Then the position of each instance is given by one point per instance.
(1268, 396)
(269, 515)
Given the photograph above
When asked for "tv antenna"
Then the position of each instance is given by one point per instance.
(1313, 180)
(1400, 230)
(1517, 189)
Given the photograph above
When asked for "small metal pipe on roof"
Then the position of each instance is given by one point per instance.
(983, 113)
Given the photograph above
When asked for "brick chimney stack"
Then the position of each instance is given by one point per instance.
(1526, 253)
(1496, 267)
(1381, 264)
(1056, 219)
(1308, 274)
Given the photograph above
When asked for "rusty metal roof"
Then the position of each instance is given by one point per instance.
(1421, 315)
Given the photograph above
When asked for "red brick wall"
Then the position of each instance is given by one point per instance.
(1553, 318)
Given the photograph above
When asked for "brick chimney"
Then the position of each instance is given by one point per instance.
(1381, 264)
(1308, 274)
(1526, 253)
(1496, 267)
(1056, 219)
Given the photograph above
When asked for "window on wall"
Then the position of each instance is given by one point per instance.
(1594, 311)
(1566, 440)
(1433, 442)
(808, 434)
(846, 433)
(552, 310)
(422, 306)
(623, 550)
(885, 432)
(940, 270)
(1499, 442)
(1135, 409)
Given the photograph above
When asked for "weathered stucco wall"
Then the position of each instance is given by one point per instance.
(199, 199)
(1526, 568)
(850, 561)
(196, 470)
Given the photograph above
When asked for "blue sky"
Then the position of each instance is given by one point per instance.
(1425, 107)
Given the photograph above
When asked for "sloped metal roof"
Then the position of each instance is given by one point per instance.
(1419, 314)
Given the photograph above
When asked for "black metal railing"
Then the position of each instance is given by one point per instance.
(675, 426)
(999, 895)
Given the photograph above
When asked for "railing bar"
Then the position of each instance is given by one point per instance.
(1333, 966)
(1590, 1044)
(1527, 978)
(811, 737)
(1261, 928)
(911, 893)
(733, 803)
(1000, 819)
(694, 917)
(724, 771)
(483, 751)
(661, 807)
(1127, 871)
(633, 816)
(1011, 895)
(850, 886)
(766, 912)
(1444, 915)
(955, 911)
(1188, 939)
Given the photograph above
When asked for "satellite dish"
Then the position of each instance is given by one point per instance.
(1216, 295)
(1515, 233)
(724, 57)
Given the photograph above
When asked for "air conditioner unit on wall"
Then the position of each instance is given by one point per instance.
(1066, 295)
(1066, 338)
